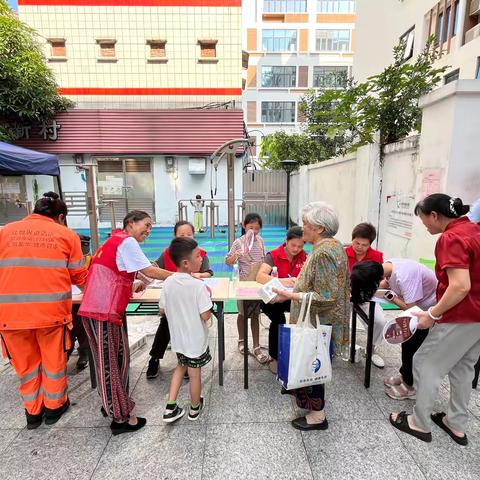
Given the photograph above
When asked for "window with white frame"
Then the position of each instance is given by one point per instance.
(330, 77)
(333, 40)
(281, 76)
(278, 112)
(279, 40)
(336, 6)
(283, 6)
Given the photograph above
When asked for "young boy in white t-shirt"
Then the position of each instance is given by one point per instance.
(186, 302)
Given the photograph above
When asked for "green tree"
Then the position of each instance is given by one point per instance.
(386, 103)
(338, 121)
(28, 90)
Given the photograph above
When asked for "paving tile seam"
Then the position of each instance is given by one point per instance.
(13, 439)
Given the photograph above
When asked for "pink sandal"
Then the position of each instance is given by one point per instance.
(401, 392)
(392, 381)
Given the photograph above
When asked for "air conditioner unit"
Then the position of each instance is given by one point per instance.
(472, 33)
(197, 166)
(475, 8)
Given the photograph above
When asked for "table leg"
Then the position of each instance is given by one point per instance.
(245, 352)
(353, 335)
(368, 362)
(221, 340)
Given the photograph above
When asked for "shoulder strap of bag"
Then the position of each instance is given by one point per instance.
(304, 317)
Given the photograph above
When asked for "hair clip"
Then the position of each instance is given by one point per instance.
(452, 206)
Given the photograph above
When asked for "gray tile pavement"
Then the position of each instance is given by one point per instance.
(241, 434)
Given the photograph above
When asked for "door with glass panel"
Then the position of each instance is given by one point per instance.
(127, 184)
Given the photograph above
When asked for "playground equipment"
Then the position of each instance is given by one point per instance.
(229, 149)
(212, 213)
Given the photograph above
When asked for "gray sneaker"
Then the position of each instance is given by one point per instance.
(194, 414)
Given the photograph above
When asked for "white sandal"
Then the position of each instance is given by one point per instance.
(259, 355)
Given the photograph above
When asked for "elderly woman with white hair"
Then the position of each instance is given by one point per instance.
(325, 275)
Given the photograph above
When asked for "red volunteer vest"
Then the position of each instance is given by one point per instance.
(108, 289)
(285, 267)
(168, 262)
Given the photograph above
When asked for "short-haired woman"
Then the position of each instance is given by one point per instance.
(325, 276)
(108, 291)
(453, 345)
(363, 235)
(288, 260)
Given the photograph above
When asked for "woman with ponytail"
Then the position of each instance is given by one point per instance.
(453, 345)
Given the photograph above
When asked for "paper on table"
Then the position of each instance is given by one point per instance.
(138, 294)
(246, 292)
(156, 284)
(211, 282)
(76, 290)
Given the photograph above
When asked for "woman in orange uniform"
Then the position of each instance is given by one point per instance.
(40, 259)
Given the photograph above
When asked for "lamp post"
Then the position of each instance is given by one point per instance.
(289, 166)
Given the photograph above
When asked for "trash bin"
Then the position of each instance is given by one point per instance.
(85, 242)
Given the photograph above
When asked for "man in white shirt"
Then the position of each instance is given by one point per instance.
(186, 302)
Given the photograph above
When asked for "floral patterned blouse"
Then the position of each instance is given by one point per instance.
(325, 274)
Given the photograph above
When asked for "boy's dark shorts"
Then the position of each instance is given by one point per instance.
(198, 362)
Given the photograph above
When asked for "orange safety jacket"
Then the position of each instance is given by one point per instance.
(39, 261)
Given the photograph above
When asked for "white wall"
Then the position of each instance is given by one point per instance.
(169, 188)
(443, 159)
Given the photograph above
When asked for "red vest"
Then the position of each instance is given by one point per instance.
(168, 262)
(108, 289)
(286, 267)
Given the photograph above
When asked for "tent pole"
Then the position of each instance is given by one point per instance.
(58, 186)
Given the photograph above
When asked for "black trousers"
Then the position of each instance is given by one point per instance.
(161, 340)
(276, 313)
(409, 349)
(78, 333)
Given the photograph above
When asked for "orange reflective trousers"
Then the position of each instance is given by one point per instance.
(40, 361)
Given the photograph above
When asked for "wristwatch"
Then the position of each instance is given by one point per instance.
(389, 295)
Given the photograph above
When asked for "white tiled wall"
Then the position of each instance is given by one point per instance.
(131, 27)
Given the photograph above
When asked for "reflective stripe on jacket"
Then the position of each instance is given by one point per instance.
(39, 261)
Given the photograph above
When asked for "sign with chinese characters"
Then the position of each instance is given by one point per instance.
(430, 182)
(47, 131)
(400, 215)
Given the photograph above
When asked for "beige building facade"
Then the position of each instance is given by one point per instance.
(141, 54)
(294, 46)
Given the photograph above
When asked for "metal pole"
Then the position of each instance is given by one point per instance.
(113, 220)
(212, 219)
(231, 197)
(92, 208)
(180, 211)
(287, 219)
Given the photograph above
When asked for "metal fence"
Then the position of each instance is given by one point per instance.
(264, 192)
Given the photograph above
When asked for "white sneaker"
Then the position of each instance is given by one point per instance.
(378, 361)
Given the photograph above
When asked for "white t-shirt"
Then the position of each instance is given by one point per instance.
(414, 282)
(130, 257)
(184, 298)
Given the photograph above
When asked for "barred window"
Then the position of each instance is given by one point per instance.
(279, 76)
(57, 47)
(336, 6)
(279, 40)
(278, 112)
(330, 77)
(275, 6)
(333, 40)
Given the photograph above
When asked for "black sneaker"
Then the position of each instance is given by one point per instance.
(153, 366)
(53, 416)
(194, 414)
(171, 416)
(125, 427)
(34, 421)
(82, 361)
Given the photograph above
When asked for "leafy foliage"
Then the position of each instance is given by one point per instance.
(28, 91)
(340, 121)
